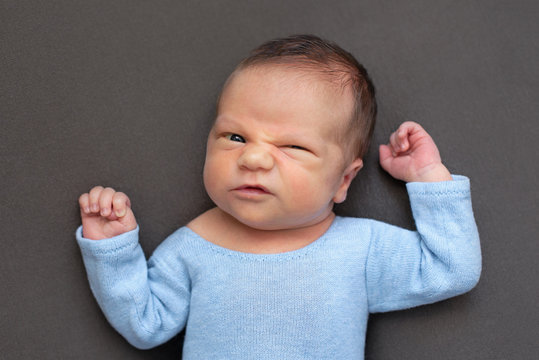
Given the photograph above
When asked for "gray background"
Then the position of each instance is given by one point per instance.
(122, 93)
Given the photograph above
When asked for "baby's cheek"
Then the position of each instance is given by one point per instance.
(304, 190)
(207, 176)
(212, 173)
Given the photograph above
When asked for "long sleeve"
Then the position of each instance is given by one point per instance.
(440, 260)
(146, 302)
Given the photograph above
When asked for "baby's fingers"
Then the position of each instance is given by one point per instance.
(120, 203)
(399, 141)
(105, 201)
(93, 198)
(386, 156)
(84, 203)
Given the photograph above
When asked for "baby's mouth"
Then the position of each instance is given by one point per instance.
(253, 189)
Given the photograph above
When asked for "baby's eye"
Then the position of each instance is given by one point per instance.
(297, 147)
(235, 137)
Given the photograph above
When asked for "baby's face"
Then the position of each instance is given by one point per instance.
(273, 160)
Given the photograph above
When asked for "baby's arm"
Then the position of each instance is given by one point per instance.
(443, 257)
(412, 156)
(147, 302)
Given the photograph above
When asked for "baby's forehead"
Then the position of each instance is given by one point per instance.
(303, 74)
(292, 78)
(298, 77)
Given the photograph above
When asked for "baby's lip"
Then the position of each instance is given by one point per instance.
(255, 189)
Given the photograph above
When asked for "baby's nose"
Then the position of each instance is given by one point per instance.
(255, 157)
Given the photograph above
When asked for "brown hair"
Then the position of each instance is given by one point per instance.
(331, 60)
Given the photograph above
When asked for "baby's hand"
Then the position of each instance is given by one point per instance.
(105, 213)
(412, 155)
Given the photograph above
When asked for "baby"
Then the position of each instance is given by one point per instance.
(271, 272)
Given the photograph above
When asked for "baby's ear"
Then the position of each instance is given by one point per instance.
(348, 175)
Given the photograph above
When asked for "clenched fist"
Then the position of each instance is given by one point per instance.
(412, 155)
(105, 213)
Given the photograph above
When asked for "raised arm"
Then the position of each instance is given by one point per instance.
(146, 302)
(440, 260)
(443, 257)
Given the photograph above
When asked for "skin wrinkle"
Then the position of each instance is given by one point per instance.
(340, 81)
(332, 69)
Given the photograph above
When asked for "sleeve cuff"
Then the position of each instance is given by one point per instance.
(113, 245)
(459, 184)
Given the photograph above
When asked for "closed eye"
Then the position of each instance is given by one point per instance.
(297, 147)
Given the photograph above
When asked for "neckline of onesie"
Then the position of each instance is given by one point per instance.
(287, 255)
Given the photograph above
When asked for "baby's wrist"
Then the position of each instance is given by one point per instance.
(434, 173)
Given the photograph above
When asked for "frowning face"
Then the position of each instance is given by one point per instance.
(273, 158)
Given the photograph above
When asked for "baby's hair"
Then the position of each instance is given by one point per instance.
(309, 52)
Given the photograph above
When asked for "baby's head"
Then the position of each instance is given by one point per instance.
(293, 124)
(329, 65)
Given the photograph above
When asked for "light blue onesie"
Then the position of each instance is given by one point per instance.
(312, 303)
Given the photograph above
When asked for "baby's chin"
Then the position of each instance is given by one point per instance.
(263, 224)
(285, 223)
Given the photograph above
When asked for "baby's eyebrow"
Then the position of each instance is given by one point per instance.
(226, 120)
(292, 138)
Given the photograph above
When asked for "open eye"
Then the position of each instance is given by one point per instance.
(235, 137)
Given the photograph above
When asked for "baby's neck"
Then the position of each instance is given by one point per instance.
(222, 229)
